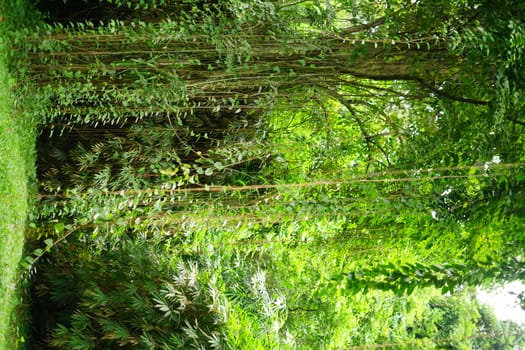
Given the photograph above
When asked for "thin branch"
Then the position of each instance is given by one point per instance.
(59, 240)
(445, 94)
(359, 122)
(421, 82)
(378, 88)
(381, 149)
(289, 4)
(376, 22)
(358, 28)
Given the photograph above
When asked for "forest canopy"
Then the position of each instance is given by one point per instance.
(274, 174)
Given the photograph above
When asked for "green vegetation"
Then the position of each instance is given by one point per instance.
(17, 158)
(266, 174)
(13, 186)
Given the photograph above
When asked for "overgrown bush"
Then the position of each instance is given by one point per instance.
(132, 294)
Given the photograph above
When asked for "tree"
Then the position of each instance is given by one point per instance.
(460, 322)
(244, 53)
(194, 123)
(148, 99)
(205, 67)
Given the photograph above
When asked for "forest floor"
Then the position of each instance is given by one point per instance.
(16, 170)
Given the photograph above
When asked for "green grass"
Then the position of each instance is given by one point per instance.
(17, 137)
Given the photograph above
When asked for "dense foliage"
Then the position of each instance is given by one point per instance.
(274, 174)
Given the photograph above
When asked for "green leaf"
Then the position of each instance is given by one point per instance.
(438, 267)
(38, 252)
(59, 227)
(410, 289)
(338, 277)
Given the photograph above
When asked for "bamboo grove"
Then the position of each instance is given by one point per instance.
(193, 155)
